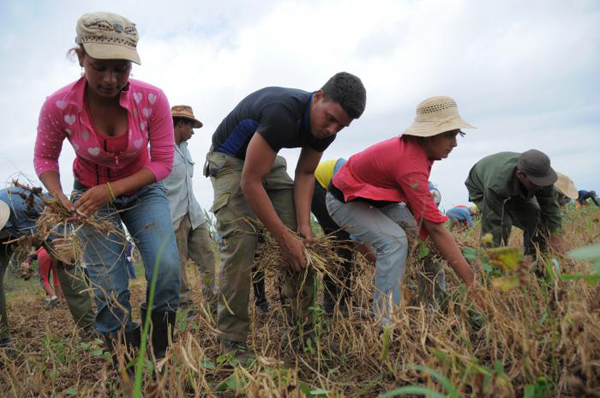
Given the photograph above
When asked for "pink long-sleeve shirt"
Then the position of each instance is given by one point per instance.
(64, 115)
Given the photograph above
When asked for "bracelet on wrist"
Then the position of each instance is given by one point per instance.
(110, 191)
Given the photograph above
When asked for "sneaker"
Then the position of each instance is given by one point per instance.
(239, 351)
(50, 302)
(89, 333)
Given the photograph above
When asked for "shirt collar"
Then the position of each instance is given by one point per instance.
(518, 189)
(306, 117)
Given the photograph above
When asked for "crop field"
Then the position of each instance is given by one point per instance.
(537, 335)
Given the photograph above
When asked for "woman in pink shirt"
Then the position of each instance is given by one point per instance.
(380, 192)
(122, 134)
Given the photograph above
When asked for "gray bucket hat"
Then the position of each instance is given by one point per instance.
(536, 166)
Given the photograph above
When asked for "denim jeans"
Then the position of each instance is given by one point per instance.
(147, 218)
(385, 229)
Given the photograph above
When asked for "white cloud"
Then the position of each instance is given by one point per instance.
(525, 73)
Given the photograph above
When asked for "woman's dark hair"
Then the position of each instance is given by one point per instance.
(73, 51)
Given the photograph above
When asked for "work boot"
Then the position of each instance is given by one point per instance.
(162, 326)
(238, 350)
(127, 343)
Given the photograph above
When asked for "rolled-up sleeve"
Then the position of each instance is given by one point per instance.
(49, 139)
(550, 212)
(162, 141)
(415, 186)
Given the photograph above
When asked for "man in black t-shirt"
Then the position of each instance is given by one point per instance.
(250, 182)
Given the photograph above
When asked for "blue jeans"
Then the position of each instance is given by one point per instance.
(147, 218)
(385, 230)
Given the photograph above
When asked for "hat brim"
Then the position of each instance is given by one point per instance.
(429, 129)
(111, 51)
(566, 186)
(4, 214)
(197, 123)
(544, 181)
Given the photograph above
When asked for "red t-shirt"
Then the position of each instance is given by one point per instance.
(46, 264)
(394, 170)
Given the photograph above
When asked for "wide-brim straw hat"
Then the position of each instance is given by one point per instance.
(4, 213)
(105, 35)
(186, 112)
(436, 115)
(566, 186)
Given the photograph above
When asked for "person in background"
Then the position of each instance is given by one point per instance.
(585, 196)
(45, 266)
(334, 293)
(122, 134)
(191, 229)
(461, 217)
(19, 210)
(250, 182)
(381, 196)
(565, 189)
(517, 189)
(435, 193)
(129, 260)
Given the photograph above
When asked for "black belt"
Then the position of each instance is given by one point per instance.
(339, 195)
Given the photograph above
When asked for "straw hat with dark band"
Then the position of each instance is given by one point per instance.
(566, 186)
(185, 112)
(436, 115)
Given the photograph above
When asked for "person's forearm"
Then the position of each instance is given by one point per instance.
(133, 183)
(51, 181)
(261, 204)
(450, 251)
(304, 186)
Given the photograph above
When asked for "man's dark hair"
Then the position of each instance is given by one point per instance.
(348, 91)
(178, 119)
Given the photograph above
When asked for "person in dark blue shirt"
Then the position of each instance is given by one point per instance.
(251, 183)
(584, 196)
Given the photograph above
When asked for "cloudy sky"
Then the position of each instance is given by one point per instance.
(525, 73)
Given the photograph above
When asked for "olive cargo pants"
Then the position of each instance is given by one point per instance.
(239, 244)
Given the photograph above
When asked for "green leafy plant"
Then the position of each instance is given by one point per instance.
(588, 253)
(418, 390)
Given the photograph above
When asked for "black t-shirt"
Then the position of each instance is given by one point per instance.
(280, 115)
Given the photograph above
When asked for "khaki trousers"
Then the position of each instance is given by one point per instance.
(235, 225)
(196, 244)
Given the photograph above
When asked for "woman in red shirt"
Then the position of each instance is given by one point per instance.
(382, 194)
